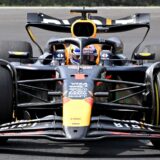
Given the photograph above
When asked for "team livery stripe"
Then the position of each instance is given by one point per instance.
(51, 21)
(66, 22)
(108, 21)
(127, 21)
(31, 35)
(97, 22)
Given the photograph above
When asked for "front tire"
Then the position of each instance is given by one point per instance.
(6, 96)
(156, 142)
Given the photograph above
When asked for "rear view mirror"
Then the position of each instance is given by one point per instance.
(17, 54)
(144, 56)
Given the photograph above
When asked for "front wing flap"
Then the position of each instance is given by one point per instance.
(101, 127)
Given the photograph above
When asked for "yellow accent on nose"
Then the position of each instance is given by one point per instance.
(76, 113)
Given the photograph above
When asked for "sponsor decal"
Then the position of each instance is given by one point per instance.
(125, 125)
(131, 124)
(78, 90)
(77, 67)
(14, 125)
(54, 21)
(126, 21)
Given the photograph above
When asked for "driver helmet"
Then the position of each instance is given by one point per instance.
(75, 55)
(89, 55)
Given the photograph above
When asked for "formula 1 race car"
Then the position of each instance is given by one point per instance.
(81, 88)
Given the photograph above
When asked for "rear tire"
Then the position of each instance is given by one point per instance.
(21, 46)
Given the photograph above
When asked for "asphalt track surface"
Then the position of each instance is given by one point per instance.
(12, 22)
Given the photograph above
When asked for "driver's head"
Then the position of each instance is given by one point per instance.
(89, 55)
(74, 55)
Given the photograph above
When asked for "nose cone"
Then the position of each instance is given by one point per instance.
(76, 117)
(75, 133)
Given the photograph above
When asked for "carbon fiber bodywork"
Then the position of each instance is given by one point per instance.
(114, 98)
(106, 107)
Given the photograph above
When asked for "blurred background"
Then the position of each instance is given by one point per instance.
(79, 2)
(13, 19)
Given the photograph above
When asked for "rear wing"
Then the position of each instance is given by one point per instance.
(103, 25)
(46, 22)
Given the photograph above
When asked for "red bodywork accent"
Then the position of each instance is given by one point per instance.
(108, 76)
(79, 76)
(65, 100)
(89, 100)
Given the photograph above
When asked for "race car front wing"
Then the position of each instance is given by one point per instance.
(102, 127)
